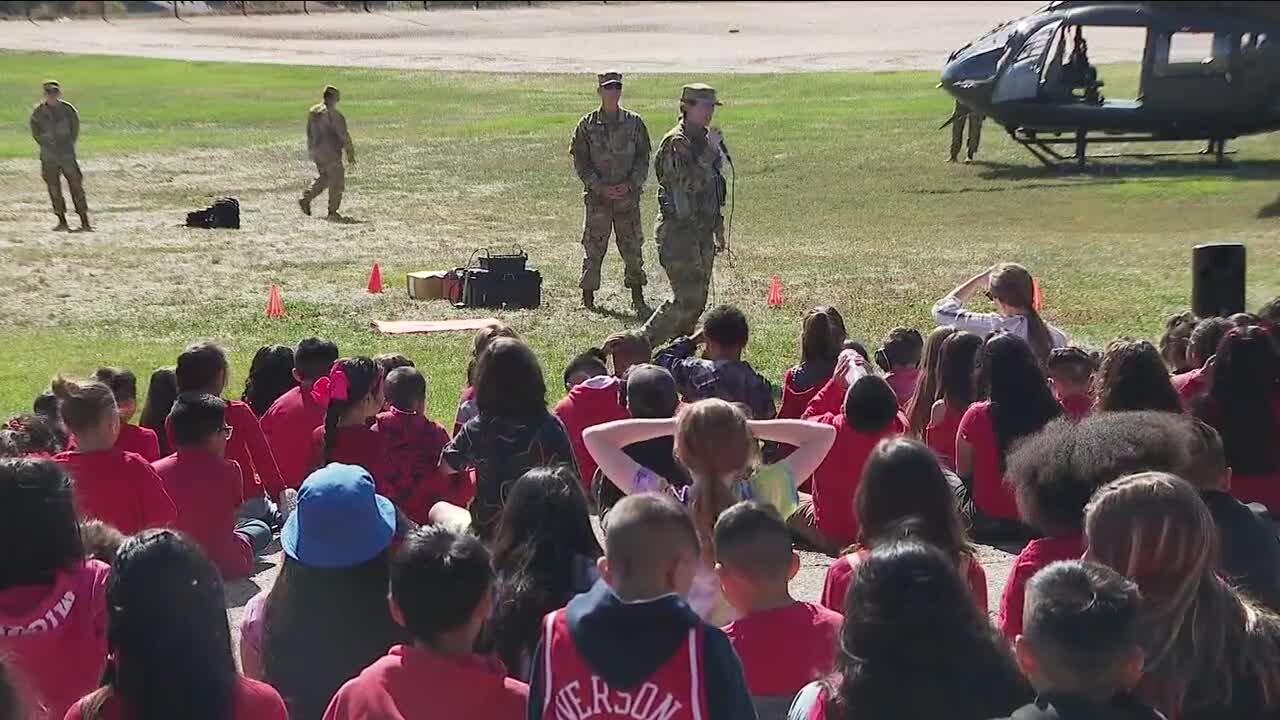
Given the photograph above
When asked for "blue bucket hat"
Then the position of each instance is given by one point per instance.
(339, 520)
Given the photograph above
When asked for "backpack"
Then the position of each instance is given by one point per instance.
(224, 213)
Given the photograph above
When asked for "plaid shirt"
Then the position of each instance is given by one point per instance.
(730, 380)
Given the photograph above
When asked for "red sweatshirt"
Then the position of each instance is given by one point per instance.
(1034, 557)
(412, 683)
(253, 701)
(288, 426)
(118, 488)
(594, 402)
(249, 449)
(836, 479)
(786, 648)
(353, 445)
(795, 399)
(835, 588)
(139, 440)
(411, 476)
(54, 637)
(207, 491)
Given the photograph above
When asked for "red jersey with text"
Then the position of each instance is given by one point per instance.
(573, 691)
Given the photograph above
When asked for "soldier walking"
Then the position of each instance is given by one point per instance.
(327, 139)
(958, 117)
(690, 229)
(610, 149)
(55, 125)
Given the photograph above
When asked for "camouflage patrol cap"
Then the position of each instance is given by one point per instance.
(52, 86)
(699, 92)
(605, 79)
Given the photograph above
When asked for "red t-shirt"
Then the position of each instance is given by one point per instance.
(354, 445)
(990, 493)
(411, 476)
(941, 438)
(54, 637)
(1076, 407)
(118, 488)
(1036, 555)
(840, 579)
(253, 701)
(1190, 384)
(786, 648)
(594, 402)
(288, 426)
(139, 440)
(794, 400)
(248, 448)
(207, 491)
(412, 683)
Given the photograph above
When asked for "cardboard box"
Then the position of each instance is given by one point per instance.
(426, 285)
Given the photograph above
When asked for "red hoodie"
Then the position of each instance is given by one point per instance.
(119, 488)
(412, 683)
(836, 479)
(411, 476)
(55, 636)
(594, 402)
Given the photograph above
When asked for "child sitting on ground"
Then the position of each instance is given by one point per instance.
(124, 386)
(467, 408)
(206, 487)
(1080, 648)
(863, 413)
(1071, 375)
(162, 390)
(354, 391)
(411, 477)
(633, 635)
(30, 436)
(721, 372)
(1176, 340)
(626, 350)
(594, 397)
(203, 368)
(784, 644)
(1249, 549)
(1204, 345)
(441, 593)
(821, 337)
(294, 416)
(110, 484)
(899, 357)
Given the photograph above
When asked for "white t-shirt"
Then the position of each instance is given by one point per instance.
(950, 311)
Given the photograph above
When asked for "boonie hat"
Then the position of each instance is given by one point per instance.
(699, 92)
(612, 77)
(339, 520)
(52, 86)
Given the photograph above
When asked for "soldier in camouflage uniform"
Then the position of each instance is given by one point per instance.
(962, 114)
(690, 229)
(327, 138)
(55, 125)
(610, 149)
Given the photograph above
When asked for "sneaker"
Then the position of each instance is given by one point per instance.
(305, 204)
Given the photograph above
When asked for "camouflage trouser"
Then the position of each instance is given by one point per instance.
(623, 218)
(975, 132)
(687, 252)
(332, 175)
(53, 170)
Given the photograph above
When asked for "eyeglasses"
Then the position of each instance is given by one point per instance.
(227, 430)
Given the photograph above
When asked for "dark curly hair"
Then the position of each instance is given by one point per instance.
(270, 376)
(1241, 402)
(1134, 377)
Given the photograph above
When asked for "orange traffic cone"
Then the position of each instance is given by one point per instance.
(275, 306)
(775, 292)
(375, 278)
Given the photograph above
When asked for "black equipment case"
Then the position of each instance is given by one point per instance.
(502, 281)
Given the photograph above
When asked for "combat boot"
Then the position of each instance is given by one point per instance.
(589, 299)
(62, 224)
(637, 302)
(84, 223)
(305, 204)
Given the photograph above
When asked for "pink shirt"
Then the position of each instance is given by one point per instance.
(55, 636)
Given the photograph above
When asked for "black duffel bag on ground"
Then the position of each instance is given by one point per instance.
(224, 213)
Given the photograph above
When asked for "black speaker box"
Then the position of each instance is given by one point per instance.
(1217, 279)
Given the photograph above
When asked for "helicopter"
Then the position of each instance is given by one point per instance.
(1210, 71)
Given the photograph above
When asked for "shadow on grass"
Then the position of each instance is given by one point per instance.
(1162, 166)
(1270, 210)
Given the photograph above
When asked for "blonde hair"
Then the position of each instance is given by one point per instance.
(82, 404)
(1013, 285)
(714, 443)
(1203, 640)
(483, 337)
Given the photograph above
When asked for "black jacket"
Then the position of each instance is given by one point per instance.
(625, 643)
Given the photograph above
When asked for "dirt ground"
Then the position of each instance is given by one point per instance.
(568, 38)
(564, 37)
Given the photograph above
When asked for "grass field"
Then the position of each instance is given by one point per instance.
(841, 190)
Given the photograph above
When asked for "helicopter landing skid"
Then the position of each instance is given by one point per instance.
(1043, 148)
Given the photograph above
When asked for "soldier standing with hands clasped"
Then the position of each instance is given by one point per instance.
(610, 149)
(55, 125)
(690, 229)
(327, 138)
